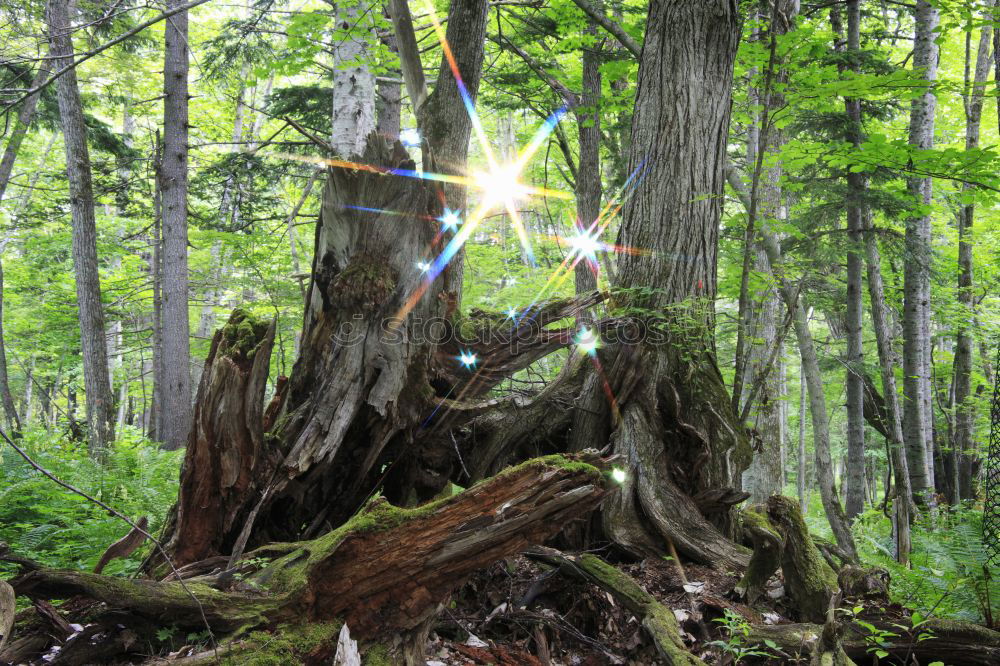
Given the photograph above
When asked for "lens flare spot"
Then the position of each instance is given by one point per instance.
(410, 137)
(587, 341)
(423, 266)
(502, 184)
(450, 220)
(468, 359)
(619, 475)
(585, 244)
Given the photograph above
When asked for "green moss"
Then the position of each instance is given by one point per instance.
(287, 644)
(242, 334)
(377, 655)
(365, 283)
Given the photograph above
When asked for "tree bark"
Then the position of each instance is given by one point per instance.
(100, 403)
(353, 109)
(677, 433)
(175, 407)
(917, 419)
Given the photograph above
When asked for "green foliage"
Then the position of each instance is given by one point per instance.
(737, 645)
(949, 576)
(45, 522)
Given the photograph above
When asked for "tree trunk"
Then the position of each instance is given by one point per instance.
(964, 443)
(887, 365)
(100, 403)
(175, 407)
(814, 382)
(856, 187)
(677, 432)
(13, 420)
(917, 419)
(588, 174)
(353, 110)
(802, 436)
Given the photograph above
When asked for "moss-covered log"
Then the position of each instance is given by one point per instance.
(954, 643)
(384, 572)
(657, 620)
(809, 580)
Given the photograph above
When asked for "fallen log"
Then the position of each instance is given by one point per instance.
(384, 572)
(657, 620)
(954, 643)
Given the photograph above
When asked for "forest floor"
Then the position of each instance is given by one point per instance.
(521, 612)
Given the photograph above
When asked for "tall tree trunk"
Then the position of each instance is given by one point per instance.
(176, 377)
(802, 437)
(676, 429)
(917, 418)
(887, 364)
(763, 311)
(353, 110)
(964, 444)
(856, 193)
(100, 403)
(13, 420)
(588, 175)
(825, 475)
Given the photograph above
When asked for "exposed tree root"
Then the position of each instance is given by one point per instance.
(657, 620)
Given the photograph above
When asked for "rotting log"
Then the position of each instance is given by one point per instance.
(384, 572)
(657, 620)
(955, 643)
(7, 609)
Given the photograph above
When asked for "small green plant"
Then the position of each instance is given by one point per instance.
(737, 644)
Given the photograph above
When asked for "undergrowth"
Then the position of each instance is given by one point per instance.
(45, 522)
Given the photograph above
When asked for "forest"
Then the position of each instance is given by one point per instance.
(461, 332)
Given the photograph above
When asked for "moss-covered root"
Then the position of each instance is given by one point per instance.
(657, 620)
(809, 580)
(7, 609)
(766, 556)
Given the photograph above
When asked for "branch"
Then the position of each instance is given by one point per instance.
(104, 47)
(571, 98)
(601, 19)
(409, 54)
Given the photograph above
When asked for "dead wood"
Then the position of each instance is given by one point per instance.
(955, 643)
(384, 572)
(657, 620)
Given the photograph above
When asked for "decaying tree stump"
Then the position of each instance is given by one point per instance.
(383, 572)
